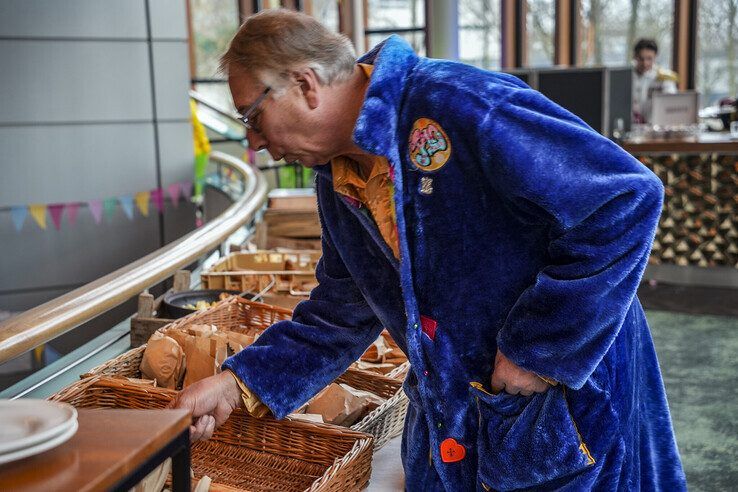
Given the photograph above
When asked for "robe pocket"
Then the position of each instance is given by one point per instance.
(527, 441)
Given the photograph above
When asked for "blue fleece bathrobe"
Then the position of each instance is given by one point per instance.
(520, 228)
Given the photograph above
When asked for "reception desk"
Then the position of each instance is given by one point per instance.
(698, 226)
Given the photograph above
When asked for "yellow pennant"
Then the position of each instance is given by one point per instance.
(142, 202)
(38, 212)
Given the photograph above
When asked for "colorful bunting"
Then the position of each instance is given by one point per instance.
(99, 208)
(56, 210)
(72, 209)
(109, 207)
(187, 190)
(126, 202)
(251, 156)
(38, 212)
(18, 214)
(142, 202)
(157, 196)
(174, 191)
(96, 209)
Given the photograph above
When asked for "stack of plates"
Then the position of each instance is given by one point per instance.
(29, 427)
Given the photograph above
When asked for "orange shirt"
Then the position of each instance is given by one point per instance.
(371, 187)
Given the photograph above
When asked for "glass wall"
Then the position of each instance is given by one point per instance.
(479, 33)
(540, 23)
(326, 11)
(405, 18)
(608, 29)
(214, 23)
(717, 50)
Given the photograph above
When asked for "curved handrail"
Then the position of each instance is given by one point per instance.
(49, 320)
(208, 104)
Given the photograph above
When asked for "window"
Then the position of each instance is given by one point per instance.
(608, 29)
(539, 25)
(479, 33)
(405, 18)
(214, 23)
(326, 11)
(717, 50)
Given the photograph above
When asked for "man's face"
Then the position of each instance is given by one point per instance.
(645, 60)
(281, 123)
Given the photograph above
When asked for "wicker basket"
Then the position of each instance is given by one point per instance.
(235, 313)
(265, 271)
(247, 453)
(384, 422)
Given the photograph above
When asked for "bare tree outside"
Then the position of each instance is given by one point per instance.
(214, 23)
(479, 33)
(717, 50)
(326, 11)
(610, 28)
(540, 24)
(400, 14)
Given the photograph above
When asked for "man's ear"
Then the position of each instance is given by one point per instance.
(308, 85)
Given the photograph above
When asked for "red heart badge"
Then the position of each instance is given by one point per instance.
(452, 451)
(428, 325)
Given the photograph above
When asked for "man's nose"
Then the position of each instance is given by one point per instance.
(256, 140)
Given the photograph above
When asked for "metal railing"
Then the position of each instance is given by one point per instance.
(58, 316)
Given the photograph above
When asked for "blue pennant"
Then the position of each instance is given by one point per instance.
(126, 202)
(18, 214)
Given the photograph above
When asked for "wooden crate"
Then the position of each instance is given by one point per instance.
(282, 273)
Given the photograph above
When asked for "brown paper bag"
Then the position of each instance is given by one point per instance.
(163, 360)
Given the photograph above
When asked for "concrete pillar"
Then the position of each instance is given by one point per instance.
(443, 29)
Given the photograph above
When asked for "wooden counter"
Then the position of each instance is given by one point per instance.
(699, 225)
(705, 143)
(112, 450)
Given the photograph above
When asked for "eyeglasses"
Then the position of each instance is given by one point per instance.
(246, 117)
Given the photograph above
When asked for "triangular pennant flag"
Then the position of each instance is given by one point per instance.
(186, 187)
(56, 210)
(96, 210)
(142, 202)
(38, 212)
(109, 207)
(18, 214)
(157, 196)
(173, 190)
(126, 202)
(72, 209)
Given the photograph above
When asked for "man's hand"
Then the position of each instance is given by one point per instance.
(514, 379)
(211, 402)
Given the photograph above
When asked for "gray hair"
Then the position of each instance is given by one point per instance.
(276, 42)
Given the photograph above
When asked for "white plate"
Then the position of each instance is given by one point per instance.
(26, 423)
(40, 448)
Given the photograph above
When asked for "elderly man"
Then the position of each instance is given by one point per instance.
(497, 237)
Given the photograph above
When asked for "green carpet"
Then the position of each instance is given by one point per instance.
(699, 361)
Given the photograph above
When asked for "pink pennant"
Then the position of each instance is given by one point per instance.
(251, 156)
(157, 196)
(56, 210)
(174, 191)
(186, 187)
(96, 209)
(72, 209)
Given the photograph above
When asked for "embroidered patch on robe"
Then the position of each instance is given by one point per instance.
(429, 146)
